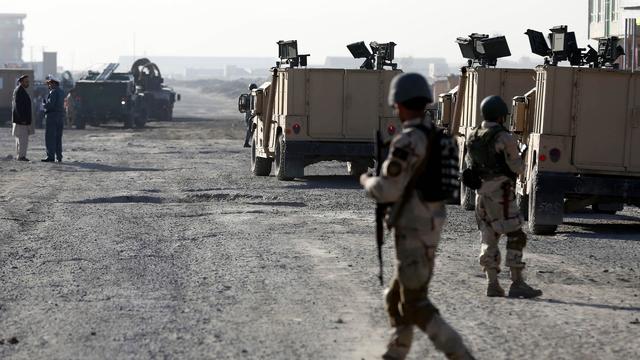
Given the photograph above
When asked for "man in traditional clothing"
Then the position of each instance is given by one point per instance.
(21, 117)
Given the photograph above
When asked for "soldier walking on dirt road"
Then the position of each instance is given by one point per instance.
(418, 227)
(494, 158)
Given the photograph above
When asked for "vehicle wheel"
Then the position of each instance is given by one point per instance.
(549, 205)
(281, 160)
(357, 168)
(523, 206)
(467, 198)
(80, 122)
(259, 166)
(140, 121)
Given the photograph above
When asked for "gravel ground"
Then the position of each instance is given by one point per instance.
(157, 243)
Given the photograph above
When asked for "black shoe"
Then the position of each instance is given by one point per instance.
(59, 160)
(23, 159)
(47, 160)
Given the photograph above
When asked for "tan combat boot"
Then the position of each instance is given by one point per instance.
(493, 286)
(519, 288)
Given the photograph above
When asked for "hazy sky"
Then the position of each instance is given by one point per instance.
(86, 32)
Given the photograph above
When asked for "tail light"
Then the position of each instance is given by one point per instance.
(296, 128)
(542, 157)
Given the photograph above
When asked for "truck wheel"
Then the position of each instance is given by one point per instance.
(80, 122)
(523, 206)
(543, 209)
(467, 198)
(259, 166)
(281, 160)
(140, 121)
(357, 168)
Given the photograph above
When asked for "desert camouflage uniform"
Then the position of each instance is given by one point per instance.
(496, 210)
(417, 234)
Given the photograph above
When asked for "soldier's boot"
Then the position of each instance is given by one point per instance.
(400, 343)
(519, 288)
(493, 286)
(466, 355)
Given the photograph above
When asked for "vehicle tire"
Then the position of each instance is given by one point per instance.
(140, 121)
(467, 196)
(534, 223)
(357, 168)
(80, 122)
(281, 160)
(523, 206)
(259, 166)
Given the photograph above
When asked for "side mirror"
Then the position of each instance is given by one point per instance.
(445, 109)
(244, 103)
(178, 97)
(519, 114)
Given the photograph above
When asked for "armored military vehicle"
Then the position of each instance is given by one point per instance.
(582, 128)
(459, 109)
(108, 95)
(8, 82)
(305, 115)
(158, 99)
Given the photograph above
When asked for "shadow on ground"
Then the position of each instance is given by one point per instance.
(325, 182)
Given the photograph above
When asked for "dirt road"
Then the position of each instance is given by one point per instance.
(157, 243)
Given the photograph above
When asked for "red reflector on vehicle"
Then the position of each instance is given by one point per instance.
(391, 129)
(287, 131)
(542, 157)
(296, 128)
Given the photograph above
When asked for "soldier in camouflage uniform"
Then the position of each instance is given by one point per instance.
(417, 230)
(493, 155)
(248, 117)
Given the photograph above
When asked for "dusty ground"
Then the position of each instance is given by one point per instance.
(157, 243)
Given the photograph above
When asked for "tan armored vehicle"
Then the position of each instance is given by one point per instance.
(582, 128)
(459, 109)
(305, 115)
(8, 78)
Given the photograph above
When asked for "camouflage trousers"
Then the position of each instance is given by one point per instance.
(498, 214)
(407, 301)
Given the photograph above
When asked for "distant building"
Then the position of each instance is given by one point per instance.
(11, 43)
(617, 18)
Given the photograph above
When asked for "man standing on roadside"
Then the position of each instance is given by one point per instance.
(54, 118)
(21, 117)
(418, 228)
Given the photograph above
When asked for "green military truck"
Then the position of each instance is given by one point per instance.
(159, 99)
(108, 96)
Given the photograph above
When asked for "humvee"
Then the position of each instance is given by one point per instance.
(8, 78)
(459, 109)
(582, 128)
(307, 115)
